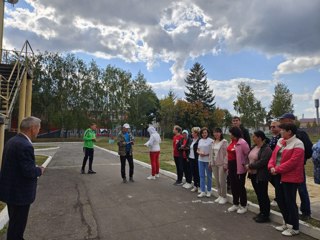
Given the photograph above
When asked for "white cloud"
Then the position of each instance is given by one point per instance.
(316, 94)
(297, 65)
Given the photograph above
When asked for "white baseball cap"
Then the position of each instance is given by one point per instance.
(126, 125)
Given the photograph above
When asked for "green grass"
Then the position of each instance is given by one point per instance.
(40, 159)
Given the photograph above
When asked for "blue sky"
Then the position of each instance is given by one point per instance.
(275, 41)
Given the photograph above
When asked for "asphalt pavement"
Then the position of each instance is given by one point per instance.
(73, 206)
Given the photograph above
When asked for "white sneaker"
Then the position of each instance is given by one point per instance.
(217, 200)
(281, 228)
(199, 190)
(202, 194)
(223, 200)
(194, 189)
(290, 232)
(233, 208)
(187, 186)
(151, 177)
(273, 203)
(208, 194)
(242, 210)
(157, 175)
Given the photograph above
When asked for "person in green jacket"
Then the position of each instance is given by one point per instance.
(89, 137)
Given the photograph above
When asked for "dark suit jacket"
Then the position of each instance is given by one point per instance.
(18, 175)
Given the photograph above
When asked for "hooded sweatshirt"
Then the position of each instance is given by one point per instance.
(154, 140)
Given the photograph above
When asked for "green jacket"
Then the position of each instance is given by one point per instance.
(88, 137)
(122, 144)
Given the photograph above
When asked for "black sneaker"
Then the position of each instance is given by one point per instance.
(91, 172)
(262, 219)
(124, 180)
(82, 171)
(131, 179)
(178, 183)
(304, 217)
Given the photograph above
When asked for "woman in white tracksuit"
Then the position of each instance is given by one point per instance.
(154, 146)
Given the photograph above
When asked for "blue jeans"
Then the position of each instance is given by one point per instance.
(304, 197)
(203, 173)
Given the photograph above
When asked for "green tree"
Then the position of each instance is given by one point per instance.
(167, 113)
(251, 111)
(282, 101)
(197, 87)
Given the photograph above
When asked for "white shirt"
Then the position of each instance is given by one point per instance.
(191, 154)
(205, 146)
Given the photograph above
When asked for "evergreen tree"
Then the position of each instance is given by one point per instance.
(198, 89)
(282, 101)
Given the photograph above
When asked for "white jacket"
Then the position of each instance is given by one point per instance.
(154, 140)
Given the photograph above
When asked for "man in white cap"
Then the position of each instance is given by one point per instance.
(125, 142)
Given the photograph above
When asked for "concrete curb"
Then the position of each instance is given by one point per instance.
(4, 217)
(45, 149)
(275, 217)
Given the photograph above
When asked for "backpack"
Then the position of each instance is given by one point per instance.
(316, 161)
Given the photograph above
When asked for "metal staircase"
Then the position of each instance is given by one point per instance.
(13, 68)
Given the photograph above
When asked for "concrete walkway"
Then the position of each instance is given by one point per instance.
(72, 206)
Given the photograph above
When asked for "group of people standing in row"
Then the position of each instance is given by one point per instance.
(279, 160)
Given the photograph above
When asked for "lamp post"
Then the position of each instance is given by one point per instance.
(1, 21)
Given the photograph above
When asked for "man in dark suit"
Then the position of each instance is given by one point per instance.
(18, 176)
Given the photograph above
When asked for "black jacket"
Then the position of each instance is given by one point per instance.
(18, 175)
(303, 136)
(246, 135)
(261, 165)
(185, 149)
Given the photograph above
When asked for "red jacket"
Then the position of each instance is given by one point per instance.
(175, 141)
(292, 160)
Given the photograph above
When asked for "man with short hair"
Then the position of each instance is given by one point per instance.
(18, 176)
(236, 122)
(125, 142)
(89, 137)
(305, 207)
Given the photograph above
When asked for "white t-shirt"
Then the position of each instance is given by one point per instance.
(191, 154)
(216, 147)
(205, 146)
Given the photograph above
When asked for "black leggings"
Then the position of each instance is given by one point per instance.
(88, 153)
(237, 182)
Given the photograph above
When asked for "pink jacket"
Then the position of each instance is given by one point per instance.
(292, 160)
(242, 150)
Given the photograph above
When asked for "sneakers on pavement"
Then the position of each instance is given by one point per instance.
(233, 208)
(281, 228)
(201, 195)
(82, 171)
(290, 232)
(242, 210)
(177, 183)
(262, 219)
(208, 194)
(131, 179)
(124, 180)
(157, 175)
(91, 172)
(194, 189)
(223, 200)
(151, 177)
(187, 186)
(217, 200)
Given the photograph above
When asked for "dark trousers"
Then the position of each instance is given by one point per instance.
(179, 168)
(194, 172)
(286, 194)
(18, 216)
(237, 183)
(272, 180)
(261, 190)
(304, 197)
(88, 153)
(123, 165)
(186, 170)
